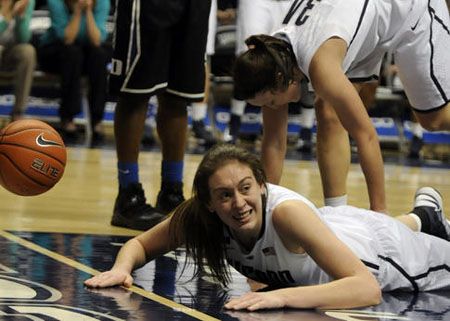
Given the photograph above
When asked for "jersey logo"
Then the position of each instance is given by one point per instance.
(303, 16)
(41, 141)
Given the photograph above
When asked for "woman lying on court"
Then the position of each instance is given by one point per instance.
(332, 257)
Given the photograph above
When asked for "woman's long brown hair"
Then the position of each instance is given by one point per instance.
(268, 65)
(201, 231)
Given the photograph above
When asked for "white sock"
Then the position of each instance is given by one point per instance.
(307, 117)
(417, 130)
(238, 107)
(336, 201)
(418, 221)
(199, 111)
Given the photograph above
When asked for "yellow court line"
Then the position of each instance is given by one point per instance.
(79, 266)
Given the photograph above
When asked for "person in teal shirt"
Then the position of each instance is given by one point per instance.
(74, 45)
(16, 54)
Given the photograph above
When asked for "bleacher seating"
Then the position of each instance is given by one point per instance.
(44, 99)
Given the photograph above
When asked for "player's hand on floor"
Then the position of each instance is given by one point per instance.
(110, 278)
(253, 301)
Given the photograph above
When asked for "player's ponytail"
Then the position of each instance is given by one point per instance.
(268, 64)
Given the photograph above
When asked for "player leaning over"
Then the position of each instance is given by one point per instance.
(336, 45)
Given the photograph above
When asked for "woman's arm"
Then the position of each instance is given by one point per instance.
(6, 14)
(331, 84)
(73, 26)
(96, 17)
(134, 254)
(301, 230)
(22, 29)
(92, 31)
(274, 141)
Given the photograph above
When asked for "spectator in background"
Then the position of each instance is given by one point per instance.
(15, 53)
(71, 47)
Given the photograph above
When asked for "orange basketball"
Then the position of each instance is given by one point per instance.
(32, 157)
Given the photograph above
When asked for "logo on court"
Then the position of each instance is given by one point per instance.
(41, 141)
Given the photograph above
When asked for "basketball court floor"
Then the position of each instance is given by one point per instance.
(49, 244)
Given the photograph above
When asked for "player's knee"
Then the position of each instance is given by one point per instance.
(434, 124)
(436, 120)
(429, 126)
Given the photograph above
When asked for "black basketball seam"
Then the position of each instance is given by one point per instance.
(24, 174)
(35, 150)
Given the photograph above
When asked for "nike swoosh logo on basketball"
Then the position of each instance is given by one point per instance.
(41, 141)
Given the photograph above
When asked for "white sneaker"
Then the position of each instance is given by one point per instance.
(429, 197)
(227, 138)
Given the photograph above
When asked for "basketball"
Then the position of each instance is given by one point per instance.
(32, 157)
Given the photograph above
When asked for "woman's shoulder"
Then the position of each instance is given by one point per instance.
(104, 5)
(278, 194)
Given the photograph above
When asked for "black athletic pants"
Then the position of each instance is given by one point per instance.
(71, 62)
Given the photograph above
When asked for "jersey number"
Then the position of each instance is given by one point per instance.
(302, 17)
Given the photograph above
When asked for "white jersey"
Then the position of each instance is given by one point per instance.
(417, 31)
(398, 257)
(258, 17)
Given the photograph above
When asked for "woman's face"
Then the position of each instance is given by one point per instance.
(236, 198)
(276, 99)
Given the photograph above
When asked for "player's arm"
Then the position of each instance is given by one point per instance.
(332, 85)
(135, 253)
(274, 141)
(301, 230)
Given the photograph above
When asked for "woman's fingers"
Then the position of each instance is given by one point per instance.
(109, 278)
(255, 301)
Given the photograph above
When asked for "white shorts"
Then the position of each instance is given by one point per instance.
(399, 258)
(258, 17)
(423, 59)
